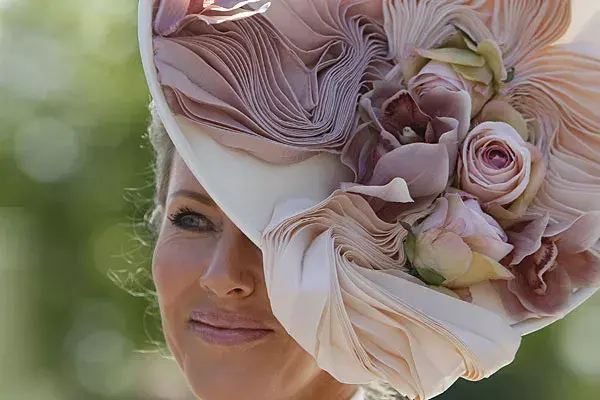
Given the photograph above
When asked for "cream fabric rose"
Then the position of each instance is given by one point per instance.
(458, 245)
(337, 282)
(462, 65)
(495, 164)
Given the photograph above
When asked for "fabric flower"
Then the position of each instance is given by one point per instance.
(462, 65)
(281, 86)
(337, 283)
(459, 244)
(556, 87)
(172, 15)
(406, 147)
(552, 260)
(496, 165)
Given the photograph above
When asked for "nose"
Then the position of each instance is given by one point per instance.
(232, 270)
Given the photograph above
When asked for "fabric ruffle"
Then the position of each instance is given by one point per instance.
(335, 280)
(282, 85)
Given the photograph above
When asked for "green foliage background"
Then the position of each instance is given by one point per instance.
(75, 185)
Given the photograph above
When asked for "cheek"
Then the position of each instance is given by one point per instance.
(178, 262)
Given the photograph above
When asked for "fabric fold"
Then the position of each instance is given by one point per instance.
(287, 80)
(337, 280)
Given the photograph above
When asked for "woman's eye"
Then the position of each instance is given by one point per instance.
(191, 221)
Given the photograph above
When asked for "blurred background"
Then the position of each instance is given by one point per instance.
(76, 182)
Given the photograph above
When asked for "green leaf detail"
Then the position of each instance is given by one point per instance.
(431, 277)
(410, 243)
(510, 75)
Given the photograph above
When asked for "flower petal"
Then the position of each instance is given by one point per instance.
(423, 166)
(395, 191)
(583, 268)
(453, 56)
(578, 235)
(502, 111)
(482, 268)
(526, 237)
(557, 288)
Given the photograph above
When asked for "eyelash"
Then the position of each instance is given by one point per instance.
(178, 219)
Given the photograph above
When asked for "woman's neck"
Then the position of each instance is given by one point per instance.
(326, 388)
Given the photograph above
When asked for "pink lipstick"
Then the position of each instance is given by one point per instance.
(225, 329)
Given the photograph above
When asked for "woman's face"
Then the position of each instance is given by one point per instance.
(216, 314)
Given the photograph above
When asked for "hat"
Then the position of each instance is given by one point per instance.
(423, 182)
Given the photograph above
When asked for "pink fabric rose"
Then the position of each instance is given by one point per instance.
(550, 261)
(458, 245)
(496, 165)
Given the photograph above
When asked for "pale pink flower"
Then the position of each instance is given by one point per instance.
(496, 166)
(459, 244)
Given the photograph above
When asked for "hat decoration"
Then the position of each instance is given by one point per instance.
(471, 144)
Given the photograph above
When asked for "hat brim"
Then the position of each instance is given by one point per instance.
(246, 188)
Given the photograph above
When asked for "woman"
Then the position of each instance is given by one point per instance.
(391, 180)
(217, 319)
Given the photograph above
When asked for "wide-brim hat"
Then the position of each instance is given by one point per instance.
(249, 188)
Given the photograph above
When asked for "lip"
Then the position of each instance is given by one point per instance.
(226, 329)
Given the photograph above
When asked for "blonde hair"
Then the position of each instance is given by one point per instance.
(164, 152)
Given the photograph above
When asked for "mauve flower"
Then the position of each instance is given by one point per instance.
(172, 15)
(462, 65)
(282, 85)
(405, 147)
(496, 164)
(339, 286)
(458, 245)
(550, 261)
(556, 87)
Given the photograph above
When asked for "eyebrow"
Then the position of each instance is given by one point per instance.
(190, 194)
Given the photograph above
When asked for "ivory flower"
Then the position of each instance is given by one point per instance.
(462, 65)
(459, 245)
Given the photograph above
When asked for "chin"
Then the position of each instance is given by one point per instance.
(230, 373)
(223, 383)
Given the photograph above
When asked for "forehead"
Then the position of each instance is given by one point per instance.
(182, 178)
